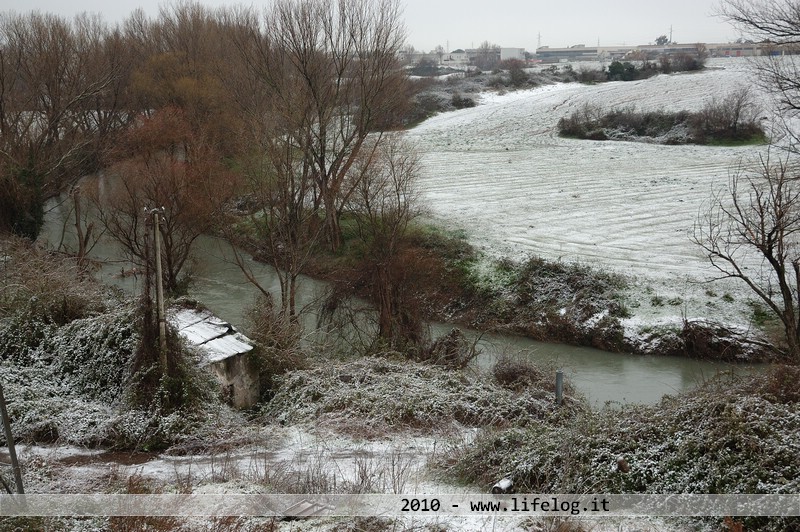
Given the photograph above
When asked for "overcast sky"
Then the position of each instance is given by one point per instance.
(509, 23)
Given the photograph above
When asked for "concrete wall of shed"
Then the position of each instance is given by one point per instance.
(238, 380)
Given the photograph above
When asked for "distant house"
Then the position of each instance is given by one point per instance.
(456, 57)
(483, 57)
(512, 53)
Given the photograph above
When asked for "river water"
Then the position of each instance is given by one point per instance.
(601, 376)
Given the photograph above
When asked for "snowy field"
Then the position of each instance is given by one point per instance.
(501, 172)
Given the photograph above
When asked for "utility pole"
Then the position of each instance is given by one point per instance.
(12, 451)
(162, 320)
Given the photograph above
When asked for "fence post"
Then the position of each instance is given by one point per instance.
(12, 451)
(559, 387)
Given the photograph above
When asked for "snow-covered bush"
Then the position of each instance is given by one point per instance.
(278, 345)
(716, 123)
(93, 354)
(64, 382)
(378, 394)
(20, 336)
(74, 384)
(548, 300)
(729, 436)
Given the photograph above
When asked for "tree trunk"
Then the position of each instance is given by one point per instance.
(83, 237)
(333, 229)
(793, 339)
(385, 305)
(292, 295)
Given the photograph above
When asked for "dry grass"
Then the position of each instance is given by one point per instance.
(278, 345)
(518, 373)
(780, 384)
(47, 284)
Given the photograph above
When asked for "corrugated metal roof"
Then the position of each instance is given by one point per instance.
(216, 338)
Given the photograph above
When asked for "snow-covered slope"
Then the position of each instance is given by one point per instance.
(501, 172)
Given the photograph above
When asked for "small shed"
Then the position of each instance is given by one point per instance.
(224, 352)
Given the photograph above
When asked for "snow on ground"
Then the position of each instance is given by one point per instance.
(501, 172)
(327, 462)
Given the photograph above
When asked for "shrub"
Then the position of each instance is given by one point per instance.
(582, 122)
(731, 120)
(591, 75)
(685, 62)
(45, 285)
(277, 348)
(516, 72)
(379, 394)
(517, 372)
(79, 384)
(618, 71)
(777, 385)
(451, 350)
(462, 102)
(729, 436)
(554, 285)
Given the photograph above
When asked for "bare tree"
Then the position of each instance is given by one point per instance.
(341, 58)
(320, 77)
(732, 117)
(185, 57)
(776, 22)
(54, 113)
(164, 163)
(752, 233)
(701, 51)
(487, 56)
(86, 235)
(280, 184)
(384, 204)
(280, 181)
(440, 52)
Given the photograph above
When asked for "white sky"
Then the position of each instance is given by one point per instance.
(509, 23)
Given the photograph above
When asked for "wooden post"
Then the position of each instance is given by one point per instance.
(12, 451)
(162, 319)
(559, 387)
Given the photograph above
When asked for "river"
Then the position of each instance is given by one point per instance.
(601, 376)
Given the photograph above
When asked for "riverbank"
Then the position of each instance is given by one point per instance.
(547, 301)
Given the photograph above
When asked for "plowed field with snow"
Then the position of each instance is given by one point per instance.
(501, 172)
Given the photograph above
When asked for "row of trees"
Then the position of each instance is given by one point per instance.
(60, 84)
(288, 108)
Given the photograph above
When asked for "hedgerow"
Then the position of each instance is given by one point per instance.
(720, 122)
